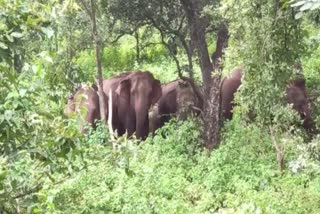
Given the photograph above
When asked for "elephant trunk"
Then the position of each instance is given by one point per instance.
(142, 120)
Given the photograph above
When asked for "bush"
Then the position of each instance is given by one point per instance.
(35, 140)
(172, 174)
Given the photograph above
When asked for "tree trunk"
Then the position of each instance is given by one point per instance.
(214, 91)
(98, 45)
(222, 43)
(197, 34)
(136, 36)
(189, 55)
(211, 112)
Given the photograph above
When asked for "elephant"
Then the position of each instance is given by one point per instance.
(85, 99)
(132, 95)
(122, 120)
(178, 98)
(228, 88)
(296, 95)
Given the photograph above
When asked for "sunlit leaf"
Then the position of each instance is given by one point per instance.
(298, 15)
(299, 3)
(315, 6)
(16, 34)
(306, 6)
(3, 46)
(22, 92)
(9, 37)
(48, 31)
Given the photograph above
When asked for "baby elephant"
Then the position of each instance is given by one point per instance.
(178, 99)
(295, 94)
(84, 102)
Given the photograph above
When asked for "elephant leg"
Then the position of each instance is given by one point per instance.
(116, 121)
(126, 115)
(130, 122)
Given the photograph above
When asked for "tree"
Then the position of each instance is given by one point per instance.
(91, 11)
(167, 17)
(22, 31)
(270, 42)
(193, 9)
(186, 22)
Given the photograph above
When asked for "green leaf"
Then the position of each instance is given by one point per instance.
(16, 34)
(31, 21)
(48, 31)
(1, 118)
(298, 15)
(299, 3)
(3, 46)
(10, 38)
(316, 5)
(22, 92)
(8, 114)
(11, 95)
(306, 6)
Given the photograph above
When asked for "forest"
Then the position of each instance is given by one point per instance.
(148, 106)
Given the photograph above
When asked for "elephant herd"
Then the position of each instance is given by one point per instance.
(296, 95)
(140, 104)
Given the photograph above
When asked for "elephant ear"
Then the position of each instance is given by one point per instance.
(156, 91)
(123, 89)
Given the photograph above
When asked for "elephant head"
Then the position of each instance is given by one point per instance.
(139, 90)
(296, 95)
(178, 98)
(187, 101)
(84, 102)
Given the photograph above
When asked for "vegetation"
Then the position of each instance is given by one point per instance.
(48, 166)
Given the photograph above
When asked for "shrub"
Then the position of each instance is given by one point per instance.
(170, 173)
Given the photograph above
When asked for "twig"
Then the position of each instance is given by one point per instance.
(33, 190)
(279, 150)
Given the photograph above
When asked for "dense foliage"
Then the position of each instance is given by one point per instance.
(48, 166)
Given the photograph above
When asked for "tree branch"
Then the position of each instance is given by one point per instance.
(189, 80)
(222, 43)
(31, 191)
(123, 33)
(86, 7)
(279, 150)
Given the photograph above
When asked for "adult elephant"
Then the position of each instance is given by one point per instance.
(296, 95)
(178, 98)
(122, 121)
(228, 88)
(132, 95)
(84, 102)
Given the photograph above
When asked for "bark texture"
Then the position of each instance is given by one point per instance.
(98, 47)
(211, 73)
